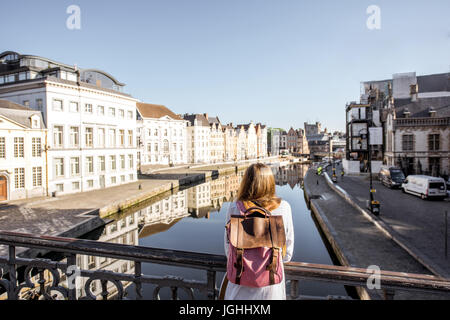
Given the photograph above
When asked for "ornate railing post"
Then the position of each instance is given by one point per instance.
(211, 283)
(137, 281)
(12, 293)
(294, 289)
(71, 280)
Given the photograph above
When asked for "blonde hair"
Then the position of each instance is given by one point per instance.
(258, 185)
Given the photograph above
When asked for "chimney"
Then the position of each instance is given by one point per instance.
(414, 90)
(432, 112)
(206, 116)
(406, 113)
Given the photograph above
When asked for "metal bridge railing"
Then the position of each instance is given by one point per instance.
(50, 279)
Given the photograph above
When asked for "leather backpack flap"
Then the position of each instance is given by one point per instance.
(256, 232)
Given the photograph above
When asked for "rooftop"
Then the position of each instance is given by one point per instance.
(155, 111)
(16, 67)
(19, 114)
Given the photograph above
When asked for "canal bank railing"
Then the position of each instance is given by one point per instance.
(47, 279)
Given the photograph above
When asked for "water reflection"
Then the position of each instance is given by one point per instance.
(194, 219)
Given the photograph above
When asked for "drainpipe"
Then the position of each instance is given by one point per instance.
(46, 162)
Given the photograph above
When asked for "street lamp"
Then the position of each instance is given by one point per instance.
(371, 204)
(333, 177)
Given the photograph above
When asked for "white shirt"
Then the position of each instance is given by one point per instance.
(273, 292)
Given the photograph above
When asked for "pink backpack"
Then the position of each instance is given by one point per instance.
(256, 241)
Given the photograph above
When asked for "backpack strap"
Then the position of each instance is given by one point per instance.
(272, 267)
(239, 265)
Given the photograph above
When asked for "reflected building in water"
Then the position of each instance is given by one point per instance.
(291, 175)
(163, 214)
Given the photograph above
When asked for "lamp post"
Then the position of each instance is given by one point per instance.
(372, 204)
(333, 177)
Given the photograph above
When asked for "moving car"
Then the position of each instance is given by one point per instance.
(391, 177)
(425, 186)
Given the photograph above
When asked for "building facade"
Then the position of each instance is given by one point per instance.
(23, 166)
(198, 138)
(162, 135)
(91, 122)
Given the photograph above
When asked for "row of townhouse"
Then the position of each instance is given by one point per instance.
(294, 141)
(66, 130)
(412, 114)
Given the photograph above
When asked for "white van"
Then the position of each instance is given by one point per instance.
(425, 186)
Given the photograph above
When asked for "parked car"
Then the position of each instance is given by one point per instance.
(425, 186)
(391, 177)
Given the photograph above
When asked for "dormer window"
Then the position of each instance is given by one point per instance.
(35, 122)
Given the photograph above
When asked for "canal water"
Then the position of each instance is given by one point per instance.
(193, 219)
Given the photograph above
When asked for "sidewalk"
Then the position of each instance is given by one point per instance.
(419, 224)
(355, 240)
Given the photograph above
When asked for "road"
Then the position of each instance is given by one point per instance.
(419, 222)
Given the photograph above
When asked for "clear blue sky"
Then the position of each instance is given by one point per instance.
(280, 62)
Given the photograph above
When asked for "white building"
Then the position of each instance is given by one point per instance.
(162, 135)
(22, 154)
(217, 140)
(251, 144)
(198, 138)
(91, 122)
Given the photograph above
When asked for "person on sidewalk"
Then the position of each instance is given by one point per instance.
(257, 190)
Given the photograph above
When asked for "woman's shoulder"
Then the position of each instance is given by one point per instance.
(284, 206)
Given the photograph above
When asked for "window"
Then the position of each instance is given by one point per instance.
(59, 167)
(101, 110)
(122, 161)
(113, 180)
(112, 161)
(89, 137)
(90, 165)
(408, 142)
(39, 104)
(57, 105)
(433, 142)
(112, 112)
(122, 138)
(76, 185)
(75, 166)
(122, 178)
(149, 148)
(60, 187)
(131, 176)
(88, 108)
(18, 147)
(26, 103)
(434, 166)
(101, 137)
(121, 113)
(130, 161)
(57, 136)
(73, 107)
(2, 148)
(36, 147)
(112, 137)
(166, 146)
(19, 178)
(74, 137)
(101, 163)
(90, 183)
(37, 176)
(130, 114)
(130, 138)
